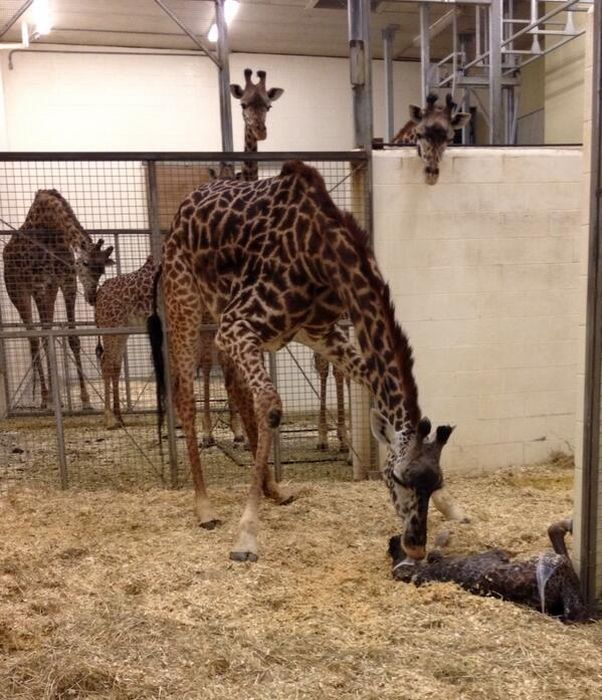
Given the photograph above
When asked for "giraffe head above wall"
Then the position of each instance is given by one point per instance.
(255, 100)
(432, 128)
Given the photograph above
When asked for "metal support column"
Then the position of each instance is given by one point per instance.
(587, 523)
(360, 60)
(156, 242)
(225, 107)
(496, 119)
(388, 34)
(58, 412)
(425, 49)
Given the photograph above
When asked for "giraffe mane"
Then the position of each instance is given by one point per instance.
(360, 241)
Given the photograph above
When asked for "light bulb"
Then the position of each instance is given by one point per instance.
(230, 10)
(41, 16)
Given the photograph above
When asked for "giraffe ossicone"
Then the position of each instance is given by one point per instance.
(272, 261)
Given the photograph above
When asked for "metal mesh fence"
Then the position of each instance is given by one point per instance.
(54, 425)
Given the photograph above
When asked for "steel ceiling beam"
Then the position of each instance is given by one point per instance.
(24, 7)
(200, 43)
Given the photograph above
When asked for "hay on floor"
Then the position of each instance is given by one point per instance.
(119, 595)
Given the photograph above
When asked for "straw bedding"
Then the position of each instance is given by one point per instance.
(118, 595)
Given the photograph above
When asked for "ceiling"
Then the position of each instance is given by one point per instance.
(299, 27)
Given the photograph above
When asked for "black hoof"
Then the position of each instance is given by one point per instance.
(208, 442)
(287, 501)
(274, 417)
(243, 556)
(322, 446)
(238, 439)
(87, 409)
(210, 524)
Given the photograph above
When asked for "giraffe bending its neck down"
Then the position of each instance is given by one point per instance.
(274, 261)
(39, 260)
(255, 101)
(431, 129)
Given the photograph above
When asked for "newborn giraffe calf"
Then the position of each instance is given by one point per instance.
(546, 582)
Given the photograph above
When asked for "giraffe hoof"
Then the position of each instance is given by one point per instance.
(286, 500)
(243, 556)
(210, 524)
(86, 408)
(208, 442)
(322, 446)
(238, 439)
(274, 417)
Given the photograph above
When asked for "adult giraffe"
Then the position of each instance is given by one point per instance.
(39, 260)
(276, 260)
(431, 130)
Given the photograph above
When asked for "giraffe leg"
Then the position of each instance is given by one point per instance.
(110, 363)
(339, 379)
(242, 344)
(45, 306)
(445, 504)
(240, 402)
(69, 290)
(183, 322)
(206, 364)
(241, 394)
(22, 303)
(321, 365)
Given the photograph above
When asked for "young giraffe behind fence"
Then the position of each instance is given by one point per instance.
(272, 261)
(126, 300)
(431, 130)
(39, 261)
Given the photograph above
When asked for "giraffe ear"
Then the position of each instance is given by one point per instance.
(443, 433)
(236, 91)
(423, 429)
(382, 430)
(415, 113)
(460, 120)
(275, 93)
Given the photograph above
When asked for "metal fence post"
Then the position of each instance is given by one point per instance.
(58, 412)
(4, 383)
(156, 244)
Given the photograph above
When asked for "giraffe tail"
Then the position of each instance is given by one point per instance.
(99, 349)
(154, 327)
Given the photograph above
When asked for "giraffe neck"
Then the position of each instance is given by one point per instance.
(250, 169)
(385, 347)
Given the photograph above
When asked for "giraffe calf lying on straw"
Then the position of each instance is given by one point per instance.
(546, 582)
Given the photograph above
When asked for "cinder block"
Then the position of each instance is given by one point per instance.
(545, 165)
(477, 170)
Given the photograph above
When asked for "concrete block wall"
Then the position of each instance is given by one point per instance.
(484, 271)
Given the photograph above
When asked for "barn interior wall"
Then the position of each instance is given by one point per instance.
(103, 102)
(484, 272)
(564, 89)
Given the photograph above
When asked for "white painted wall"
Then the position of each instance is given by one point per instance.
(485, 275)
(161, 103)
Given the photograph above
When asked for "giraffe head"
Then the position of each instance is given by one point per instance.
(255, 101)
(434, 130)
(90, 267)
(412, 474)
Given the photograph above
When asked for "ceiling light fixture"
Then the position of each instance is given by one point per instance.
(41, 16)
(230, 10)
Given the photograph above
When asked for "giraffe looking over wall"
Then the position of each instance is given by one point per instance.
(39, 260)
(431, 130)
